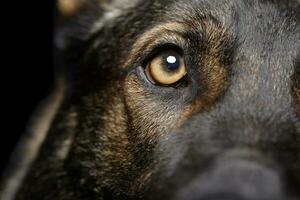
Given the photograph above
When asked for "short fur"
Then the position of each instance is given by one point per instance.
(117, 136)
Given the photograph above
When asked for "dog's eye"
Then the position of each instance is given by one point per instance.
(166, 68)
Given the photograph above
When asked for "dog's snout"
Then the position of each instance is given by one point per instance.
(231, 178)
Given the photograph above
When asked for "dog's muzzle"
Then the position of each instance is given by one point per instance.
(237, 175)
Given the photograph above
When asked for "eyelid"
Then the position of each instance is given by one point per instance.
(159, 49)
(159, 35)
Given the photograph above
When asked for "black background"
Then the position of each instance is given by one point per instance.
(27, 66)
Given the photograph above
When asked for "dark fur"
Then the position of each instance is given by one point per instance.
(233, 127)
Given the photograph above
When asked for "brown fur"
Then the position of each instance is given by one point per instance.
(116, 135)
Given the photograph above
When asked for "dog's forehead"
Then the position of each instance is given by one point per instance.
(273, 23)
(268, 42)
(267, 31)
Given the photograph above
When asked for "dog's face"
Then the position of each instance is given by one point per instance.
(185, 100)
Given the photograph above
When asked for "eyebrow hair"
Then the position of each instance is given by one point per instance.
(161, 28)
(157, 33)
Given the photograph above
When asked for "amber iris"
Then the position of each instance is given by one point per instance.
(166, 68)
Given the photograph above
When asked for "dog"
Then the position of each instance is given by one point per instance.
(167, 99)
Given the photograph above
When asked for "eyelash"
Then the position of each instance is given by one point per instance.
(159, 48)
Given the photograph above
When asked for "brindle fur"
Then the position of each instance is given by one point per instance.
(116, 136)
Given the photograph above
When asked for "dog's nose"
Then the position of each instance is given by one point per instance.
(235, 178)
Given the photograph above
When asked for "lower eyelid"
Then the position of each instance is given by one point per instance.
(140, 72)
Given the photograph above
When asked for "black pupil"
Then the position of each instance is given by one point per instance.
(172, 62)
